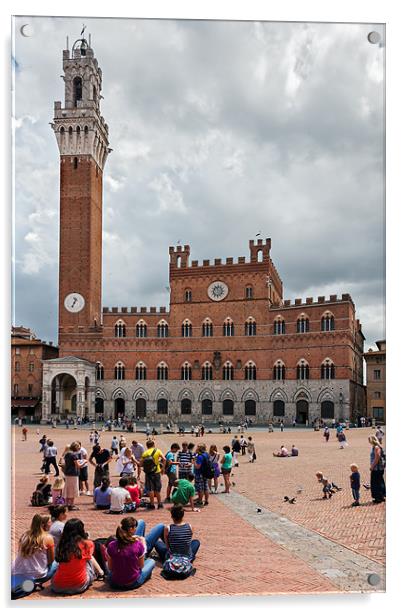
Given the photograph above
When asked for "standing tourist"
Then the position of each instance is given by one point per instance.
(171, 468)
(201, 481)
(137, 449)
(102, 458)
(243, 445)
(71, 463)
(355, 484)
(326, 434)
(379, 434)
(184, 459)
(377, 467)
(251, 450)
(114, 446)
(236, 448)
(226, 467)
(214, 457)
(151, 461)
(50, 458)
(83, 476)
(24, 433)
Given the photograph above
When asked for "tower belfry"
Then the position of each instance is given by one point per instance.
(82, 137)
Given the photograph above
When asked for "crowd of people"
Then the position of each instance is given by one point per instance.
(58, 548)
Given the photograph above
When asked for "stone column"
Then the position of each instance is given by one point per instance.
(46, 404)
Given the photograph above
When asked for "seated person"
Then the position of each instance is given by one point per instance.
(102, 494)
(120, 499)
(134, 490)
(44, 490)
(35, 558)
(184, 492)
(126, 555)
(177, 537)
(283, 453)
(295, 451)
(77, 566)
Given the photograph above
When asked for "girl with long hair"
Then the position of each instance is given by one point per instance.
(214, 457)
(126, 556)
(77, 565)
(35, 558)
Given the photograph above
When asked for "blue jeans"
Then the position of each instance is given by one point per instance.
(145, 574)
(51, 570)
(152, 537)
(356, 494)
(163, 551)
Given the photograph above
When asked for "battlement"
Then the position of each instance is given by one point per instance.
(134, 310)
(259, 253)
(309, 301)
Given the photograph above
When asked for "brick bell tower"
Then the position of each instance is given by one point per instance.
(82, 138)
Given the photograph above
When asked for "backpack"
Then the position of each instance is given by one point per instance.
(59, 500)
(37, 499)
(177, 568)
(207, 468)
(149, 464)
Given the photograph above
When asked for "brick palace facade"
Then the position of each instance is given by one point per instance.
(228, 347)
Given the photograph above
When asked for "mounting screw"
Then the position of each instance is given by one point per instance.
(373, 579)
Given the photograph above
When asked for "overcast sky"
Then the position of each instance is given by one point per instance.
(220, 131)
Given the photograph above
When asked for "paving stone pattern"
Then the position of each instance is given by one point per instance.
(236, 555)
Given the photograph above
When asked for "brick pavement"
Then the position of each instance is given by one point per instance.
(221, 570)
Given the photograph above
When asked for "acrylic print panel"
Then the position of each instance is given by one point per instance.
(149, 154)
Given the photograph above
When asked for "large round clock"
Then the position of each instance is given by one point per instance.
(74, 302)
(217, 291)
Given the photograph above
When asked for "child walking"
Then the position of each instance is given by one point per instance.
(328, 486)
(355, 484)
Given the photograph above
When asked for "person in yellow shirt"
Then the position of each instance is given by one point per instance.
(153, 462)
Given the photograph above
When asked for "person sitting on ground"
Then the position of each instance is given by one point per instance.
(59, 516)
(295, 451)
(177, 538)
(102, 494)
(57, 491)
(328, 486)
(77, 566)
(120, 499)
(42, 493)
(35, 558)
(184, 492)
(171, 468)
(282, 453)
(134, 490)
(127, 566)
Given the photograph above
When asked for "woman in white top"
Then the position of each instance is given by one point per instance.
(35, 558)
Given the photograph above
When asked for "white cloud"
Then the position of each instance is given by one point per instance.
(169, 197)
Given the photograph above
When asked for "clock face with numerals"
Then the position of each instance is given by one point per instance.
(217, 291)
(74, 302)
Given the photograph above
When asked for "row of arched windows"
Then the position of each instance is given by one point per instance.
(250, 371)
(228, 328)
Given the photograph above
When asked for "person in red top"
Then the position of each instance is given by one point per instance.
(77, 565)
(134, 490)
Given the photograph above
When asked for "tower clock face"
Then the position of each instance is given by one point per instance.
(217, 291)
(74, 302)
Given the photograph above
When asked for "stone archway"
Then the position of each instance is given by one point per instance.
(301, 411)
(64, 396)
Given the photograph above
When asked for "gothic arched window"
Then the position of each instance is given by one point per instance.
(207, 328)
(279, 371)
(120, 329)
(327, 370)
(228, 327)
(186, 329)
(279, 326)
(206, 373)
(162, 371)
(187, 295)
(250, 371)
(327, 322)
(250, 327)
(162, 329)
(119, 371)
(186, 372)
(228, 371)
(303, 371)
(302, 324)
(141, 371)
(99, 372)
(141, 329)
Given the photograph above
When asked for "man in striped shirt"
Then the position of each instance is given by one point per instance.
(185, 460)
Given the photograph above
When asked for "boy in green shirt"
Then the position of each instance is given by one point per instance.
(184, 492)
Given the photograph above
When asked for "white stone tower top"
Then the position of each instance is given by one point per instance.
(79, 126)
